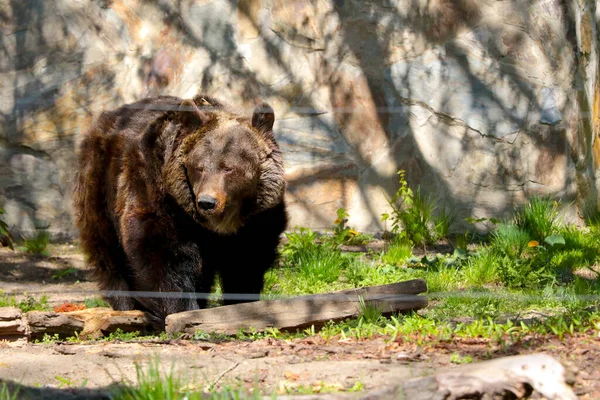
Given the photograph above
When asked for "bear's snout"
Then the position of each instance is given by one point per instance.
(207, 203)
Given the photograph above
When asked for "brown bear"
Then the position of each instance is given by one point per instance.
(171, 192)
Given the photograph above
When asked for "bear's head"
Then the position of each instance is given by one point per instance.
(221, 168)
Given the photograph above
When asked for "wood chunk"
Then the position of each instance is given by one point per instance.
(299, 312)
(92, 322)
(130, 322)
(12, 325)
(43, 322)
(12, 328)
(10, 313)
(102, 320)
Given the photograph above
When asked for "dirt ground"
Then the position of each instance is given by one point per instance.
(276, 366)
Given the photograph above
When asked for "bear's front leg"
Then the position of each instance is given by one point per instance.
(162, 264)
(242, 273)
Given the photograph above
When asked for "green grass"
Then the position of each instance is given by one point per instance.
(397, 253)
(37, 244)
(30, 303)
(510, 240)
(6, 394)
(93, 302)
(526, 268)
(456, 358)
(152, 383)
(539, 218)
(369, 313)
(415, 216)
(481, 270)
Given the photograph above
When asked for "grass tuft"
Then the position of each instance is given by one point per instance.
(510, 240)
(539, 218)
(37, 244)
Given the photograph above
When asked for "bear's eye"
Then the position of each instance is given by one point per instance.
(227, 170)
(200, 170)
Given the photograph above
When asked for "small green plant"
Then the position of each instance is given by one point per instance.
(357, 387)
(49, 339)
(38, 243)
(456, 358)
(312, 263)
(481, 269)
(413, 215)
(443, 221)
(510, 240)
(95, 302)
(321, 265)
(213, 337)
(154, 383)
(343, 234)
(61, 273)
(300, 241)
(5, 236)
(539, 218)
(369, 312)
(30, 303)
(64, 382)
(397, 253)
(121, 335)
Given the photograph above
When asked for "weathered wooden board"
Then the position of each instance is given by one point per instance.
(299, 312)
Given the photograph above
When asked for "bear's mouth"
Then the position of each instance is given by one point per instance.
(225, 223)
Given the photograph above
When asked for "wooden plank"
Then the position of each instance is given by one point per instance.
(299, 312)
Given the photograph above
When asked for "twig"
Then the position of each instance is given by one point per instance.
(222, 374)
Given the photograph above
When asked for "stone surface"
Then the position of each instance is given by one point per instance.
(483, 103)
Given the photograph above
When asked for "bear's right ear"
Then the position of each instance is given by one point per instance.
(263, 118)
(190, 115)
(187, 115)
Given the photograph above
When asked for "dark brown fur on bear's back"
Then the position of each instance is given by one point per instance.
(170, 193)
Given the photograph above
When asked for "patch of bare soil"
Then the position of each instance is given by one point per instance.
(62, 277)
(275, 366)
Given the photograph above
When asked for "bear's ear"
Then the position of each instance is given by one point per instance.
(263, 118)
(189, 114)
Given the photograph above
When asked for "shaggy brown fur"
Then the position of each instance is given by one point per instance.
(171, 192)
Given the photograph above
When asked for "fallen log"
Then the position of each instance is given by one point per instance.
(300, 312)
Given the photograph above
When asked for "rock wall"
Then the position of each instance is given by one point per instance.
(484, 103)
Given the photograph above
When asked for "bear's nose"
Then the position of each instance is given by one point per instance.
(207, 203)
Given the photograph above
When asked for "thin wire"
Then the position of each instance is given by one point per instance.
(330, 296)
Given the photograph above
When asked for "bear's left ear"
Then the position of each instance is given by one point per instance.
(263, 118)
(190, 114)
